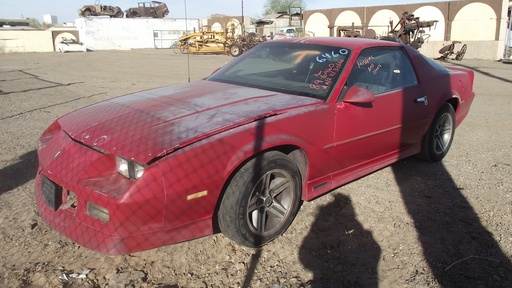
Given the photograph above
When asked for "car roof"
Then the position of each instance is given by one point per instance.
(346, 42)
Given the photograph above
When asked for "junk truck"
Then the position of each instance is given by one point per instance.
(101, 10)
(153, 9)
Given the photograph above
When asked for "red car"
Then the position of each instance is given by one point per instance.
(239, 151)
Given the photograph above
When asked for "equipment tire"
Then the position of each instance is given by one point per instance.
(235, 49)
(461, 52)
(183, 47)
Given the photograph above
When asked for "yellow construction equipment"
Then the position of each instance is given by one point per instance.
(215, 42)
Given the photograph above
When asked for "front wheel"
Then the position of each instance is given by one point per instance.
(261, 201)
(439, 137)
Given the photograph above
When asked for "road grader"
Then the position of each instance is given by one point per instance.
(215, 42)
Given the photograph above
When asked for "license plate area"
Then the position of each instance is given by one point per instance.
(52, 193)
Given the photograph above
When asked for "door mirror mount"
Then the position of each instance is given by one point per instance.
(359, 95)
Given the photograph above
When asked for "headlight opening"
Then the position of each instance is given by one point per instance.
(129, 168)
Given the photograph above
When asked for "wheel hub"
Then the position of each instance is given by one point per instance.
(267, 201)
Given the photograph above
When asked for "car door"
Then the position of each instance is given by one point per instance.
(370, 134)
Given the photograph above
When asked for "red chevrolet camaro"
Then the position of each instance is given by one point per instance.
(239, 151)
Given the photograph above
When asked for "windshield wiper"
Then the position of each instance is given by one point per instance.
(307, 94)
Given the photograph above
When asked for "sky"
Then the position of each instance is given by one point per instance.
(66, 10)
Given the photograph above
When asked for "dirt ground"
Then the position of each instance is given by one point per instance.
(412, 224)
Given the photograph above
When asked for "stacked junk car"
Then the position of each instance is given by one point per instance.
(153, 9)
(100, 10)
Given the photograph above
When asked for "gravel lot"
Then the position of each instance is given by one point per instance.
(412, 224)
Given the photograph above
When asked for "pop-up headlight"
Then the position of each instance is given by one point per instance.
(129, 168)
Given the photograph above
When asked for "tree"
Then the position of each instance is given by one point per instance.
(34, 23)
(275, 6)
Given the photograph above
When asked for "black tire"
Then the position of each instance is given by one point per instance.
(86, 13)
(439, 137)
(235, 49)
(461, 52)
(261, 201)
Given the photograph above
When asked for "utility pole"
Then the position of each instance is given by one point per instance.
(243, 24)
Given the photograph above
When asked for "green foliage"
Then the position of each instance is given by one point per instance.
(34, 23)
(275, 6)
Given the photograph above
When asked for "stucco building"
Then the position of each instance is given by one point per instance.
(481, 24)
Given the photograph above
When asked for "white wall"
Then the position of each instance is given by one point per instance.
(26, 41)
(318, 24)
(103, 33)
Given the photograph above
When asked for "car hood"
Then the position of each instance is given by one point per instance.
(153, 123)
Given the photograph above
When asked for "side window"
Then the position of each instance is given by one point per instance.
(403, 73)
(381, 70)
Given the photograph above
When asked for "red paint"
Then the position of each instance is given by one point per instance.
(193, 137)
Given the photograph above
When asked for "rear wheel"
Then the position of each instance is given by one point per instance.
(235, 50)
(261, 201)
(461, 52)
(439, 137)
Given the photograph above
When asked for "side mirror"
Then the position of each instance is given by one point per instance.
(359, 95)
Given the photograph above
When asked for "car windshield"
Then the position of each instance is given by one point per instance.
(293, 68)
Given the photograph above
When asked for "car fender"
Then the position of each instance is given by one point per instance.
(275, 142)
(450, 96)
(200, 187)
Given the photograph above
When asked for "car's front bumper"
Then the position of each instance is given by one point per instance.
(79, 193)
(119, 236)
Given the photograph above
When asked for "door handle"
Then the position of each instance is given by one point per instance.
(422, 99)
